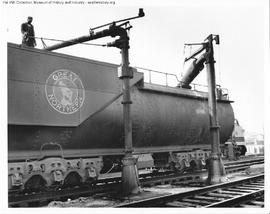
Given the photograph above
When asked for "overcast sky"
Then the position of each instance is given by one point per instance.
(157, 40)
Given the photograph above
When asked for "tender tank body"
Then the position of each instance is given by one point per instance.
(76, 103)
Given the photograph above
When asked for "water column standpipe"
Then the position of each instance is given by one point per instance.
(216, 170)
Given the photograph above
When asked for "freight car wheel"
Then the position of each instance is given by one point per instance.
(36, 182)
(177, 167)
(207, 162)
(72, 179)
(172, 166)
(194, 166)
(200, 164)
(91, 182)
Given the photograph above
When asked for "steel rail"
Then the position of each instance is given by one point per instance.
(56, 195)
(183, 199)
(255, 160)
(237, 200)
(104, 185)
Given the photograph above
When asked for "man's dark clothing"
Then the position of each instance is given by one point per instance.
(28, 35)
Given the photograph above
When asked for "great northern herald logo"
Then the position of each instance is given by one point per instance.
(65, 91)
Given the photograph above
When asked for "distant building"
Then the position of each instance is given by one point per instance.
(255, 144)
(243, 143)
(238, 135)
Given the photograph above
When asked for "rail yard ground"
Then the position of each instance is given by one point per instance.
(113, 199)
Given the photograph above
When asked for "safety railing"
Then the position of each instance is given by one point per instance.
(166, 79)
(172, 80)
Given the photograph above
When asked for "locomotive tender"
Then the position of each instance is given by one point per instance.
(65, 121)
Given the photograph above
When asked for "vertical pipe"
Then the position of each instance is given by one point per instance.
(213, 109)
(130, 180)
(216, 169)
(126, 100)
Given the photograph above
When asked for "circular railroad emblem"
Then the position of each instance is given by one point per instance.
(64, 91)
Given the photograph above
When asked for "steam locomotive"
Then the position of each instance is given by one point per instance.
(65, 121)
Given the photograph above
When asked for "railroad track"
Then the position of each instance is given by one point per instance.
(240, 193)
(112, 184)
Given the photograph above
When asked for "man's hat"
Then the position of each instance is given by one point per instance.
(29, 17)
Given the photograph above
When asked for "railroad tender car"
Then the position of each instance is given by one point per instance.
(65, 121)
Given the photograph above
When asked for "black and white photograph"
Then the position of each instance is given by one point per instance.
(113, 104)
